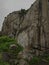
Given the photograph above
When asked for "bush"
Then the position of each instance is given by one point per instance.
(9, 48)
(4, 63)
(34, 60)
(6, 42)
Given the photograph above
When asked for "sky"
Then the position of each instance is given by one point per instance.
(8, 6)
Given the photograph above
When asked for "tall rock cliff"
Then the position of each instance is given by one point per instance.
(23, 25)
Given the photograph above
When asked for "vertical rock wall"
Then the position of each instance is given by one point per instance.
(22, 25)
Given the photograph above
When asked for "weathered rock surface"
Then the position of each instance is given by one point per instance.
(23, 25)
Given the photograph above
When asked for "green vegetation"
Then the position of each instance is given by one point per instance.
(34, 60)
(9, 50)
(4, 63)
(38, 60)
(22, 13)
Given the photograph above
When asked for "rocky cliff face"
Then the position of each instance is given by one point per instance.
(20, 22)
(23, 25)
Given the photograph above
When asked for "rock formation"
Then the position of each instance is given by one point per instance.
(0, 33)
(23, 25)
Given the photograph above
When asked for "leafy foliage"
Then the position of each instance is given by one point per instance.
(5, 43)
(4, 63)
(22, 13)
(34, 60)
(10, 48)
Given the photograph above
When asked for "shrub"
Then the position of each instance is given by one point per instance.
(4, 63)
(9, 48)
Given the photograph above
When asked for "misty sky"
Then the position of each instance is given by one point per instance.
(7, 6)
